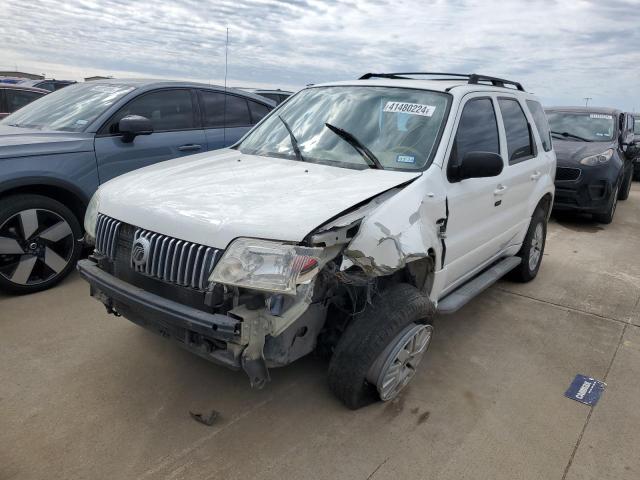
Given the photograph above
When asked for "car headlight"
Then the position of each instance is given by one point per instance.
(267, 265)
(599, 159)
(91, 216)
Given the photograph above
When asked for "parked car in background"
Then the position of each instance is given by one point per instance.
(636, 139)
(340, 223)
(57, 150)
(277, 95)
(50, 84)
(15, 96)
(594, 170)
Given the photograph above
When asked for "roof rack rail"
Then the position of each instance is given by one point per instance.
(472, 78)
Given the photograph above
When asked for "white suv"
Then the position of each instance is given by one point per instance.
(341, 223)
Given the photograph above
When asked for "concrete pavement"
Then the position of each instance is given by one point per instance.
(87, 395)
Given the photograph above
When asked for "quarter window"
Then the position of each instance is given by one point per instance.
(237, 112)
(167, 110)
(519, 141)
(258, 111)
(477, 131)
(542, 125)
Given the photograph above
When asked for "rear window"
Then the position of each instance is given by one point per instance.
(516, 126)
(542, 125)
(237, 112)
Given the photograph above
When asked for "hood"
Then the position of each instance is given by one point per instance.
(23, 142)
(570, 153)
(213, 198)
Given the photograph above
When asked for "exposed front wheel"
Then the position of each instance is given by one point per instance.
(39, 243)
(379, 352)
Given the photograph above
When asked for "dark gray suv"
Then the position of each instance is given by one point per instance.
(56, 151)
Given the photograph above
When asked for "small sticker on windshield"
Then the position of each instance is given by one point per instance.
(406, 159)
(601, 115)
(411, 108)
(82, 122)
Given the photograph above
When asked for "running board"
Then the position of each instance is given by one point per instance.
(463, 294)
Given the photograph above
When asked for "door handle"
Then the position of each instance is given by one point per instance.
(536, 175)
(500, 190)
(189, 148)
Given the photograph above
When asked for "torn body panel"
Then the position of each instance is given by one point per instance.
(403, 229)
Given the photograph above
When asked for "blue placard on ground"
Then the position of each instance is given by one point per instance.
(585, 390)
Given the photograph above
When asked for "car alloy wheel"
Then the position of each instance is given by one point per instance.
(537, 243)
(36, 245)
(397, 364)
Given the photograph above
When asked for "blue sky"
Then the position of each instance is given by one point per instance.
(561, 50)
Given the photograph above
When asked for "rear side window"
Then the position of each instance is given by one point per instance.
(213, 104)
(258, 111)
(167, 110)
(237, 112)
(477, 130)
(516, 127)
(540, 119)
(17, 99)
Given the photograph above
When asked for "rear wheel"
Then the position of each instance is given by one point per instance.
(607, 217)
(378, 354)
(532, 248)
(39, 243)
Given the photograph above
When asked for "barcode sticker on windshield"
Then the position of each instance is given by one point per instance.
(411, 108)
(600, 115)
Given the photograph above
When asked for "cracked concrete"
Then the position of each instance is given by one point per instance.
(86, 395)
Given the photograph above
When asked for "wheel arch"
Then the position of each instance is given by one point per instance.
(64, 192)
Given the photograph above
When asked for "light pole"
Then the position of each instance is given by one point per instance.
(586, 101)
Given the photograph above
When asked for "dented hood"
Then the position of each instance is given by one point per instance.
(212, 198)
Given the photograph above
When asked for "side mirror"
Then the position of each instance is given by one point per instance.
(480, 165)
(133, 125)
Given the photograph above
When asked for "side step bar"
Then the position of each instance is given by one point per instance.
(463, 294)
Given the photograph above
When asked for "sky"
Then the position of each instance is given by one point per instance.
(563, 51)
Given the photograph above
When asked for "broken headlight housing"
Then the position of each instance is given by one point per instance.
(91, 217)
(266, 265)
(599, 159)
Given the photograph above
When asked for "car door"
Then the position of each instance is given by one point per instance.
(177, 132)
(474, 221)
(524, 167)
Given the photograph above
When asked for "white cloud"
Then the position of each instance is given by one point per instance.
(561, 50)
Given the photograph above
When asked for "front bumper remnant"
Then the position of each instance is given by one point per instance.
(215, 337)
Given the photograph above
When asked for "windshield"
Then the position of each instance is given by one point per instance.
(398, 126)
(594, 127)
(70, 109)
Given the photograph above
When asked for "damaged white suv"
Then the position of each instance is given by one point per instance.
(341, 223)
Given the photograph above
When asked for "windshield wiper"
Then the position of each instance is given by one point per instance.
(294, 141)
(571, 135)
(357, 145)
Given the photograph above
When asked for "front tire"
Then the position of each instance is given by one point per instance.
(626, 185)
(532, 249)
(39, 243)
(379, 351)
(607, 217)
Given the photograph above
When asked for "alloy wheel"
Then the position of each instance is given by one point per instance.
(537, 242)
(397, 364)
(36, 245)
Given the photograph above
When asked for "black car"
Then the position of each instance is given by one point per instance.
(13, 97)
(594, 169)
(636, 139)
(50, 84)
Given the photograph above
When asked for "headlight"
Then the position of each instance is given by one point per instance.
(91, 216)
(266, 265)
(599, 159)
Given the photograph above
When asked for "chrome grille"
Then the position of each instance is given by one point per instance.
(107, 229)
(176, 261)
